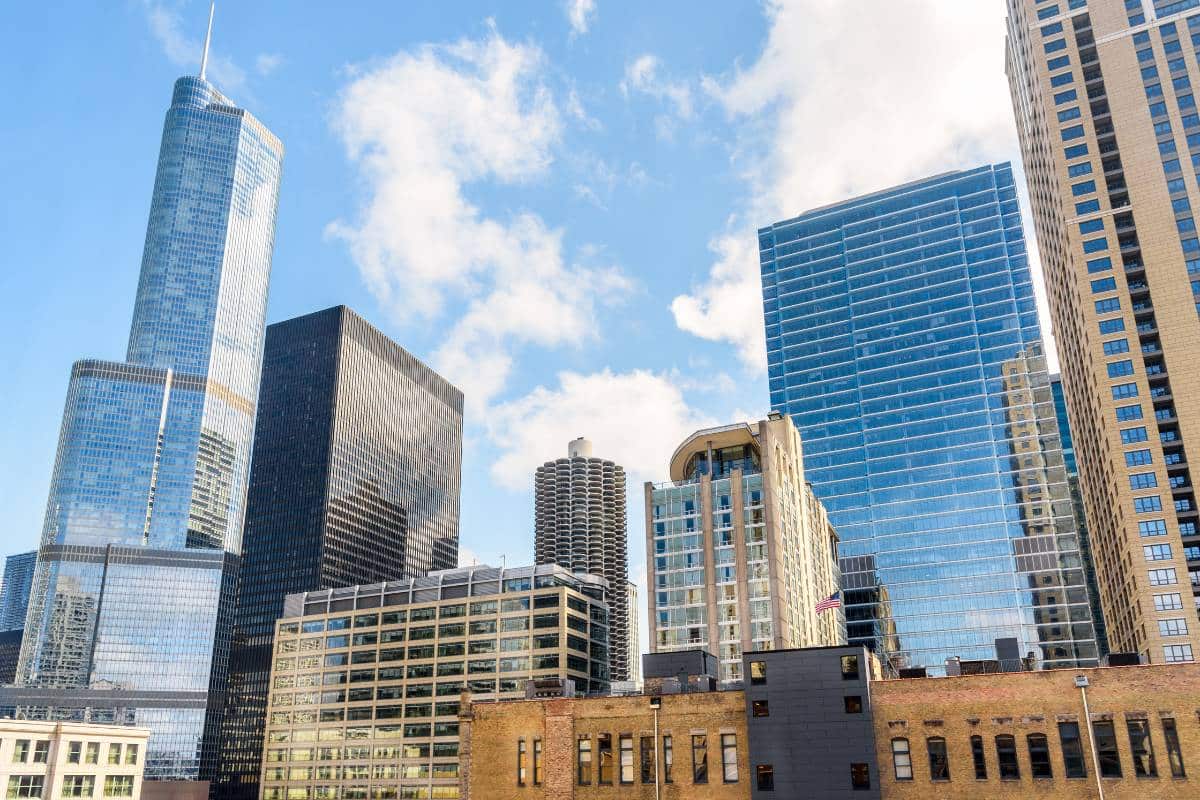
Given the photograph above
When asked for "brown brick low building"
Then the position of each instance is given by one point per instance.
(1022, 735)
(694, 745)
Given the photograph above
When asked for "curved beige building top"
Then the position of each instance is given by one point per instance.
(715, 438)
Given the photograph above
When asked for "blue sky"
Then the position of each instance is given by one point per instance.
(552, 203)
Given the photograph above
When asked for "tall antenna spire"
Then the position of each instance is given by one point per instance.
(207, 40)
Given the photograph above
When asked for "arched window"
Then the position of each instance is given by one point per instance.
(901, 759)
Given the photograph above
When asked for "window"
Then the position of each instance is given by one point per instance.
(901, 760)
(1163, 577)
(583, 761)
(758, 672)
(860, 776)
(1152, 527)
(1141, 748)
(978, 758)
(1120, 369)
(131, 753)
(1074, 171)
(20, 751)
(537, 762)
(853, 703)
(118, 786)
(1157, 552)
(626, 756)
(939, 763)
(729, 763)
(521, 762)
(1108, 305)
(1116, 347)
(668, 757)
(21, 786)
(1177, 653)
(1173, 627)
(1112, 326)
(1143, 480)
(1105, 739)
(1127, 413)
(1138, 458)
(114, 754)
(699, 758)
(646, 751)
(604, 755)
(765, 777)
(1174, 754)
(74, 752)
(1075, 151)
(1078, 190)
(92, 754)
(78, 785)
(1101, 285)
(849, 668)
(1072, 750)
(1006, 755)
(1039, 756)
(760, 708)
(1168, 602)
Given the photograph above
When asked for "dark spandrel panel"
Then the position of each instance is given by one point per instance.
(903, 340)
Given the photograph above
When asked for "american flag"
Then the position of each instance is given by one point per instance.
(833, 601)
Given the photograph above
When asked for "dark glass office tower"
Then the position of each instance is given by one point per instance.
(903, 339)
(355, 480)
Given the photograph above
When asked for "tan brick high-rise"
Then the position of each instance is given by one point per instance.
(1108, 124)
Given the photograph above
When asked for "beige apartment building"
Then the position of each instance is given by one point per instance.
(738, 548)
(72, 760)
(367, 681)
(1110, 137)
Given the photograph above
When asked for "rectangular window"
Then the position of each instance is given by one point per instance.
(1062, 79)
(114, 754)
(765, 777)
(1102, 264)
(1055, 45)
(1145, 505)
(1168, 602)
(1072, 750)
(1153, 527)
(1120, 369)
(583, 761)
(668, 757)
(1111, 326)
(92, 754)
(74, 752)
(626, 758)
(760, 708)
(1006, 757)
(521, 762)
(729, 765)
(1075, 151)
(1143, 480)
(853, 704)
(1105, 738)
(1163, 577)
(25, 786)
(1128, 413)
(758, 673)
(1065, 97)
(41, 751)
(1177, 653)
(1087, 206)
(699, 758)
(1074, 171)
(1039, 756)
(1141, 748)
(1078, 190)
(78, 785)
(978, 758)
(1068, 114)
(646, 754)
(1058, 62)
(118, 786)
(1074, 132)
(1133, 435)
(604, 759)
(860, 776)
(537, 762)
(849, 668)
(1101, 285)
(1138, 458)
(1174, 754)
(1173, 627)
(901, 760)
(939, 763)
(1108, 306)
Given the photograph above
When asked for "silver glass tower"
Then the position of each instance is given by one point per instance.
(129, 615)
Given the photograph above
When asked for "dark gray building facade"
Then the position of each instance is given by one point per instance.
(355, 480)
(811, 729)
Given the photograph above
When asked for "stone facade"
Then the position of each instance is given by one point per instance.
(493, 735)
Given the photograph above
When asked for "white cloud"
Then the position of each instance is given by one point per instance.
(266, 63)
(835, 108)
(185, 51)
(643, 75)
(636, 418)
(423, 125)
(580, 14)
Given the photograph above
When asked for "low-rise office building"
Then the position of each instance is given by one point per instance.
(668, 745)
(71, 760)
(367, 681)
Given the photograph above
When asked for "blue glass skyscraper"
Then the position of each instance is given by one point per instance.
(129, 619)
(903, 339)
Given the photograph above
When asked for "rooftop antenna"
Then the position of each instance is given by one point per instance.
(207, 40)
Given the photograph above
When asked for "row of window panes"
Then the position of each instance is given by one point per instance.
(601, 768)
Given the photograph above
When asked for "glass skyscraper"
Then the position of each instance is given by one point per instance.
(14, 591)
(356, 476)
(903, 340)
(129, 616)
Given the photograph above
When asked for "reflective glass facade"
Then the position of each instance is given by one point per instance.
(14, 592)
(903, 339)
(357, 463)
(132, 599)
